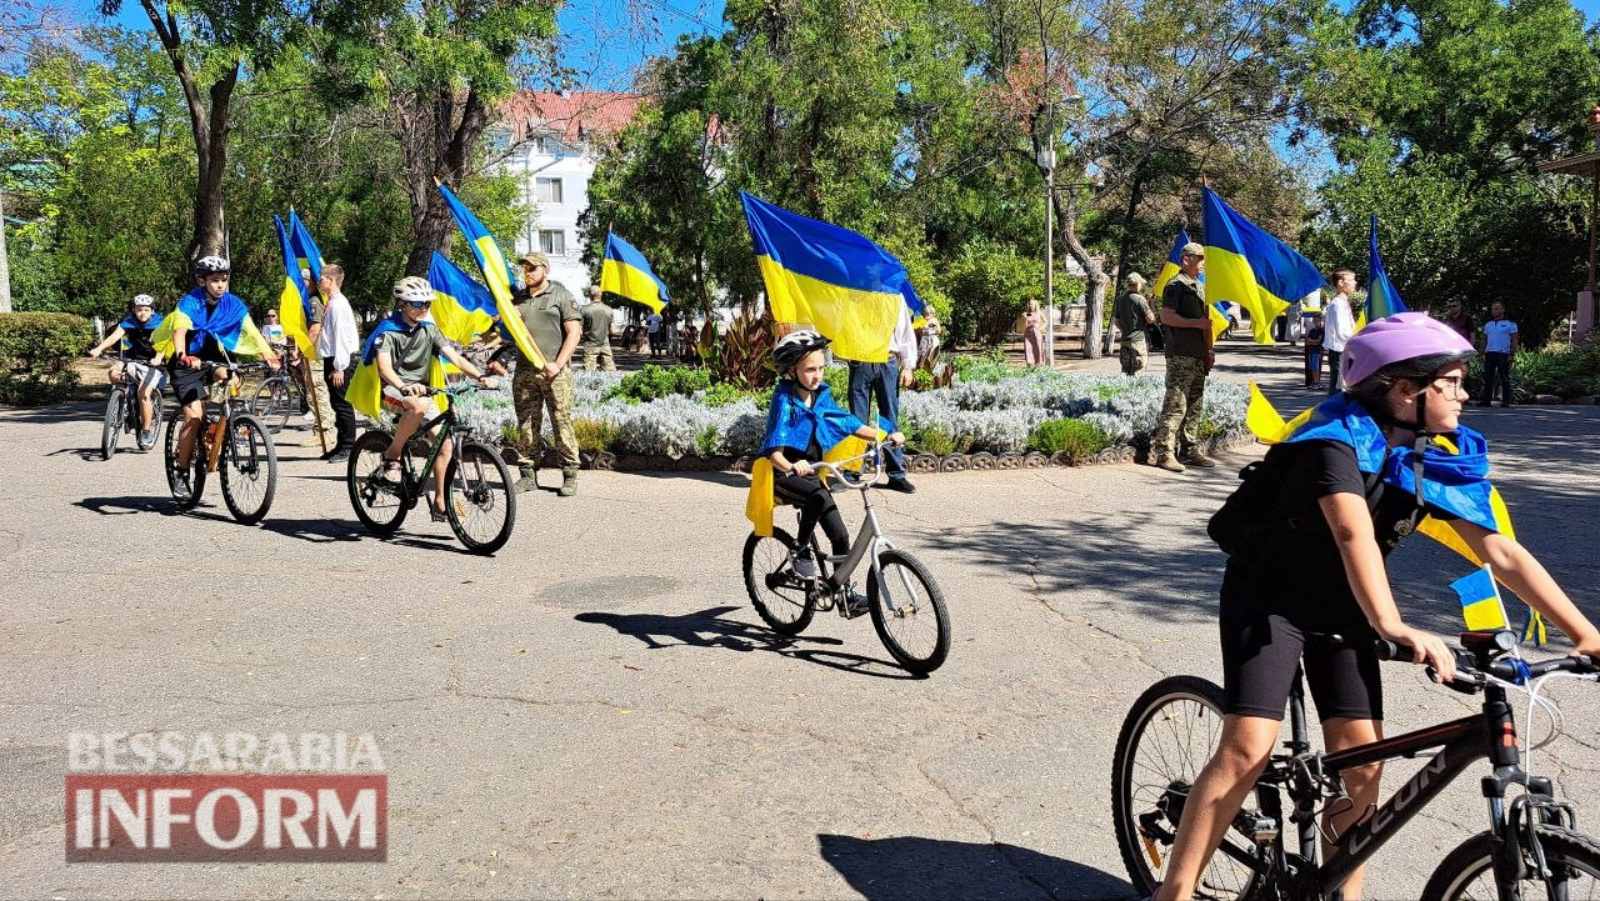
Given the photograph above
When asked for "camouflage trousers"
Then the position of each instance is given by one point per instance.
(1135, 352)
(533, 394)
(1181, 411)
(598, 358)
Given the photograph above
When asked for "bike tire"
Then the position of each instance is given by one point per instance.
(1468, 871)
(111, 426)
(773, 558)
(271, 403)
(1137, 848)
(247, 434)
(478, 491)
(931, 600)
(363, 479)
(197, 462)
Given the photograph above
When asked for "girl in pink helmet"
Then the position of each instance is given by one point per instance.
(1339, 495)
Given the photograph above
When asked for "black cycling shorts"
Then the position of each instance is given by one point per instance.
(1259, 653)
(190, 385)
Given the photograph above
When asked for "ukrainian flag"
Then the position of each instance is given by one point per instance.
(830, 278)
(1219, 317)
(496, 274)
(305, 250)
(1249, 267)
(228, 323)
(365, 390)
(1382, 298)
(462, 308)
(1480, 601)
(626, 273)
(294, 301)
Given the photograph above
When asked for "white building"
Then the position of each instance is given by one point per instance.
(548, 141)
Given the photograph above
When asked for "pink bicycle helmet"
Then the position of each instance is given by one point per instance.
(1417, 339)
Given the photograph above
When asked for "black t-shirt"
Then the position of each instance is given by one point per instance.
(141, 347)
(1182, 296)
(1302, 577)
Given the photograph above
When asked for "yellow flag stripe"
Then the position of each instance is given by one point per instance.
(859, 322)
(623, 280)
(1229, 277)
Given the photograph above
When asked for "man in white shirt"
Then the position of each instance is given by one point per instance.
(883, 381)
(338, 343)
(1499, 346)
(1340, 325)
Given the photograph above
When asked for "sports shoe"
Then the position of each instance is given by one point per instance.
(855, 603)
(1196, 458)
(901, 484)
(337, 455)
(1169, 464)
(805, 566)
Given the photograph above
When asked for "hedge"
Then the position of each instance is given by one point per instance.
(36, 355)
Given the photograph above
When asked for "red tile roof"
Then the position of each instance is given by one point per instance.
(575, 114)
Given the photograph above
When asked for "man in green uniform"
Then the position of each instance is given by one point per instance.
(597, 333)
(1133, 316)
(551, 315)
(1189, 359)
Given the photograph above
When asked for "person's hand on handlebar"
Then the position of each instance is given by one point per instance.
(1426, 648)
(898, 439)
(487, 381)
(414, 389)
(803, 469)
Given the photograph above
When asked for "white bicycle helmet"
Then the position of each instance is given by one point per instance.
(210, 265)
(793, 347)
(143, 300)
(413, 289)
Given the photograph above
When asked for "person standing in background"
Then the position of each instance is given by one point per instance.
(1033, 334)
(338, 343)
(1339, 325)
(596, 343)
(1499, 347)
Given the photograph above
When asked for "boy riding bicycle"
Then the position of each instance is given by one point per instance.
(141, 365)
(407, 346)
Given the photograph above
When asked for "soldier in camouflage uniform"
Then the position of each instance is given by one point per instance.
(551, 316)
(1133, 316)
(1189, 359)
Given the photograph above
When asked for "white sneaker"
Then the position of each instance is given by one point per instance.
(309, 419)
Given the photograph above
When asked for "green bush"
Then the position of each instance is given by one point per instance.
(838, 378)
(594, 434)
(990, 283)
(654, 382)
(36, 355)
(724, 393)
(1564, 370)
(932, 440)
(1076, 437)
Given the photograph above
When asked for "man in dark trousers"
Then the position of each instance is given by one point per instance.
(1189, 359)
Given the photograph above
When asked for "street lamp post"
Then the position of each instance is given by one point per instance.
(1047, 162)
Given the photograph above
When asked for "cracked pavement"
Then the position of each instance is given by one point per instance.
(598, 712)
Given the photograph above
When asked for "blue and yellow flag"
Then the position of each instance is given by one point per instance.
(294, 301)
(1219, 316)
(1382, 297)
(830, 278)
(305, 250)
(1249, 267)
(1480, 601)
(626, 273)
(462, 308)
(228, 323)
(496, 274)
(365, 390)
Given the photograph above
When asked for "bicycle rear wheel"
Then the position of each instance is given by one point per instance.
(272, 403)
(1167, 738)
(249, 470)
(1468, 872)
(188, 495)
(912, 620)
(111, 427)
(380, 503)
(479, 498)
(784, 602)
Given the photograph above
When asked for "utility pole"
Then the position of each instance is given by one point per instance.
(5, 266)
(1047, 162)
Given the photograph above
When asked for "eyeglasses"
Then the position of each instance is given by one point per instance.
(417, 304)
(1453, 385)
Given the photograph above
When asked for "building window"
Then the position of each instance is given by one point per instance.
(547, 190)
(553, 242)
(539, 146)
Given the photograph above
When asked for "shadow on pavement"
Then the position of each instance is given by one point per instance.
(92, 411)
(319, 530)
(911, 867)
(709, 629)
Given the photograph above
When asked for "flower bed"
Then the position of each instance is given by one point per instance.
(1003, 418)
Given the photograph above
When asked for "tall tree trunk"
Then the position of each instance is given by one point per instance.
(1135, 197)
(1066, 204)
(437, 145)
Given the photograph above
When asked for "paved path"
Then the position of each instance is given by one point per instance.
(597, 712)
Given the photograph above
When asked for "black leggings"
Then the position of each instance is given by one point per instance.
(816, 505)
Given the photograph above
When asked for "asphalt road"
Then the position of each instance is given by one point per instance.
(598, 712)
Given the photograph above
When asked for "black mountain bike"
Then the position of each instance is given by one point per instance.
(231, 443)
(1532, 843)
(122, 415)
(480, 501)
(277, 399)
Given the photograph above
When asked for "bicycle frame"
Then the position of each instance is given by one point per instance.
(869, 544)
(415, 486)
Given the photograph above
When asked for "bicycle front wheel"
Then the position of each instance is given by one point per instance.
(186, 494)
(911, 618)
(782, 600)
(380, 503)
(480, 500)
(1468, 873)
(111, 428)
(272, 403)
(1166, 740)
(249, 469)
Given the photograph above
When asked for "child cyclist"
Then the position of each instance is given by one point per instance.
(407, 345)
(143, 364)
(803, 424)
(1405, 375)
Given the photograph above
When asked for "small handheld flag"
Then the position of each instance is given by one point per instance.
(1480, 601)
(626, 273)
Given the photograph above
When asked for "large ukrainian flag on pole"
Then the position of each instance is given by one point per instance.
(1382, 297)
(462, 308)
(496, 273)
(1249, 267)
(1219, 319)
(305, 249)
(626, 273)
(830, 278)
(294, 301)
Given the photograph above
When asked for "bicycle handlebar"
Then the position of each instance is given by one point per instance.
(1470, 678)
(837, 467)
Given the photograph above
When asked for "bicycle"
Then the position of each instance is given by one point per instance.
(478, 485)
(232, 443)
(123, 414)
(786, 601)
(276, 399)
(1532, 840)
